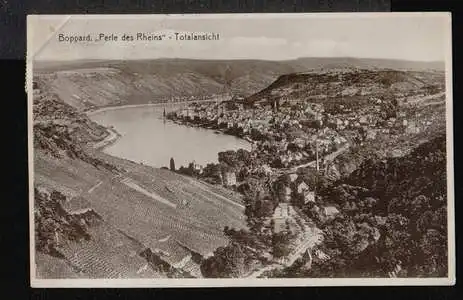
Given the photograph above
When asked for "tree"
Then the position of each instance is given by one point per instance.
(172, 164)
(244, 156)
(432, 258)
(229, 158)
(227, 262)
(293, 147)
(280, 242)
(263, 208)
(396, 244)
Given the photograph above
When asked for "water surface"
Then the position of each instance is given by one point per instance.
(148, 139)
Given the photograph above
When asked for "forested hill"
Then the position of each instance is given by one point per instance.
(349, 85)
(392, 219)
(423, 171)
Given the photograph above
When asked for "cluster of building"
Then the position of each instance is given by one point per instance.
(295, 133)
(297, 124)
(192, 98)
(371, 121)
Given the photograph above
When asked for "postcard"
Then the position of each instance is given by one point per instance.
(217, 150)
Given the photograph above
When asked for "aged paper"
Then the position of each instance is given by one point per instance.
(240, 150)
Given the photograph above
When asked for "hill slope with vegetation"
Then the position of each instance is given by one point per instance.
(348, 85)
(392, 221)
(98, 216)
(85, 84)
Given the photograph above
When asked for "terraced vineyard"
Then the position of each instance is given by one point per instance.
(197, 225)
(137, 206)
(54, 268)
(108, 255)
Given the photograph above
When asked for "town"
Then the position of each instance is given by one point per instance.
(294, 139)
(294, 133)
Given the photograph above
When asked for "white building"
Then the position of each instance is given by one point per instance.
(330, 211)
(309, 196)
(229, 178)
(302, 187)
(293, 177)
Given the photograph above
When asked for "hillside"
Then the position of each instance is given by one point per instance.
(84, 84)
(368, 63)
(392, 219)
(405, 201)
(133, 82)
(348, 84)
(100, 216)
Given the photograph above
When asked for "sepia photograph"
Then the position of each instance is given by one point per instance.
(240, 150)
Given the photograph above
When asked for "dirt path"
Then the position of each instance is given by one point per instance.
(312, 239)
(200, 186)
(259, 272)
(338, 152)
(128, 182)
(94, 187)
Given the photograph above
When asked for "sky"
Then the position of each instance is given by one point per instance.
(409, 36)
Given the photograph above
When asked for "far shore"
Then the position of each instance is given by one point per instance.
(124, 106)
(116, 107)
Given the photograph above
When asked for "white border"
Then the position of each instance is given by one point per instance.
(243, 282)
(30, 143)
(449, 151)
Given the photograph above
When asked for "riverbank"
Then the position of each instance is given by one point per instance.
(212, 125)
(101, 109)
(92, 112)
(146, 127)
(113, 134)
(112, 137)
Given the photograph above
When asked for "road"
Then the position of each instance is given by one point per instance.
(416, 100)
(310, 241)
(112, 137)
(328, 157)
(257, 273)
(434, 103)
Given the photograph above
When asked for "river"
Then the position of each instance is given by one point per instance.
(146, 138)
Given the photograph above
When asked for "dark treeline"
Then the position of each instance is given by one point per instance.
(393, 220)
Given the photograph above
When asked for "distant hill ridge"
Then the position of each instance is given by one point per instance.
(87, 83)
(347, 82)
(303, 62)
